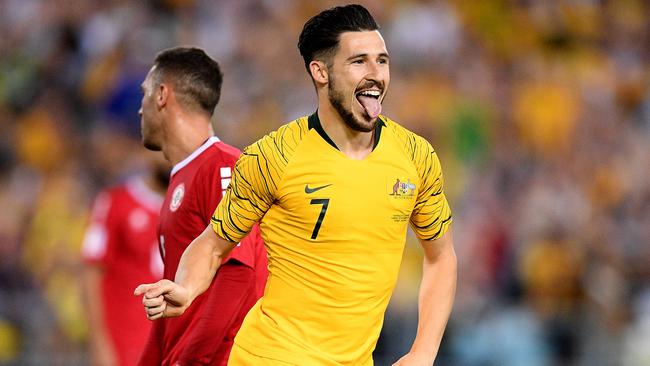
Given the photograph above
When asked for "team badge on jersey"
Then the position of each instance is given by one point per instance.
(401, 188)
(177, 197)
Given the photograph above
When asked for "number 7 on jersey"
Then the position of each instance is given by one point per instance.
(319, 201)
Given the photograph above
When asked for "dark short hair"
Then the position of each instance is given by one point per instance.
(320, 35)
(196, 77)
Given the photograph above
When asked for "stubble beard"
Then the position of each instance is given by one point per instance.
(147, 140)
(336, 98)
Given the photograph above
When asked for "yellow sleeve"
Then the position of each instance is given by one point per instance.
(251, 190)
(431, 216)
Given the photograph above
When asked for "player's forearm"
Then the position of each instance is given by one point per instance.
(92, 289)
(200, 262)
(436, 297)
(92, 296)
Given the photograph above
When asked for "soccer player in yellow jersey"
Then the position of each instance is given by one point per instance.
(334, 193)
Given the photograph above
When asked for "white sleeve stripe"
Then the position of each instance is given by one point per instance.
(225, 172)
(225, 183)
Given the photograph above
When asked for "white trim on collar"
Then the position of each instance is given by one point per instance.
(193, 155)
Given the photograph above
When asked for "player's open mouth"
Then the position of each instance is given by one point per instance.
(369, 100)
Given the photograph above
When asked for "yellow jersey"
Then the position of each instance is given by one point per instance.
(335, 229)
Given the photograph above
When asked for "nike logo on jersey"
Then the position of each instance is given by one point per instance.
(312, 190)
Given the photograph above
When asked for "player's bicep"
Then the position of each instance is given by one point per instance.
(220, 245)
(435, 249)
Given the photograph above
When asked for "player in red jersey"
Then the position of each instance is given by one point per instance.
(120, 250)
(180, 94)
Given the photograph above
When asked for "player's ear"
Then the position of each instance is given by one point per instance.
(162, 94)
(319, 72)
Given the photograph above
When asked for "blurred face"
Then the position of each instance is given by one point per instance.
(150, 122)
(359, 78)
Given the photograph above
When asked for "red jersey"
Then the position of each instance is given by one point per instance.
(196, 187)
(121, 239)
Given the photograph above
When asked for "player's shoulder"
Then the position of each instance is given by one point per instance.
(109, 199)
(218, 155)
(284, 140)
(208, 169)
(225, 150)
(412, 142)
(114, 192)
(217, 152)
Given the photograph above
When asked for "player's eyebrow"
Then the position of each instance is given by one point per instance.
(358, 55)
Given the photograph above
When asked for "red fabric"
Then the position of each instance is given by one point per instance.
(152, 353)
(223, 318)
(122, 240)
(199, 333)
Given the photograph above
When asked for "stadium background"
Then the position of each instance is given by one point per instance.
(539, 110)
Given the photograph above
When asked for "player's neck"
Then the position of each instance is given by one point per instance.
(354, 144)
(186, 134)
(155, 184)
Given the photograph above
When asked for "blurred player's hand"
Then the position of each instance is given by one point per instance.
(163, 299)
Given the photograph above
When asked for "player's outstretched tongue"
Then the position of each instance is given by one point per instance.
(372, 105)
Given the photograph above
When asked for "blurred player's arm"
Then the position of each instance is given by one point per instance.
(97, 249)
(197, 267)
(101, 349)
(437, 291)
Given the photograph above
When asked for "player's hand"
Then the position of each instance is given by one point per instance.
(412, 359)
(163, 299)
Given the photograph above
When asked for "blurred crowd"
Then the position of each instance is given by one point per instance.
(539, 111)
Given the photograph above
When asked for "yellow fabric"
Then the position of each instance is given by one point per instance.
(325, 297)
(241, 357)
(546, 114)
(51, 251)
(9, 342)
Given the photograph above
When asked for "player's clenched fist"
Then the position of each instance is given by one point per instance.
(163, 299)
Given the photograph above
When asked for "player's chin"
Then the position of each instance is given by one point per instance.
(365, 123)
(150, 145)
